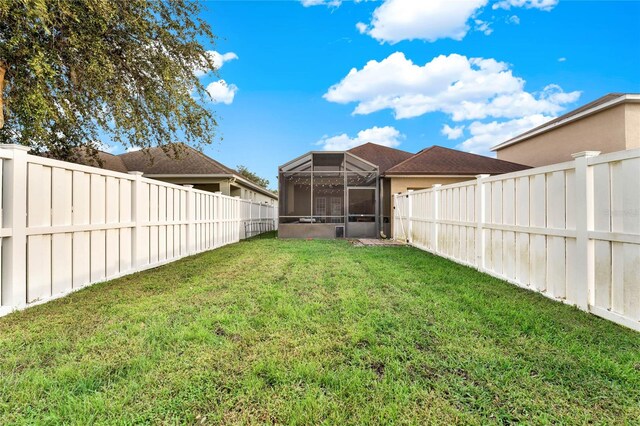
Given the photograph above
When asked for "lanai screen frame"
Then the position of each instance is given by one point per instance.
(354, 171)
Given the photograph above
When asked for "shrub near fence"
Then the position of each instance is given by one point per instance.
(570, 231)
(65, 226)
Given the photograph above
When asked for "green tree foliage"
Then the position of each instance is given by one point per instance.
(246, 173)
(74, 70)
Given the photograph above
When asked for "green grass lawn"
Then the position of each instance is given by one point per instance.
(309, 332)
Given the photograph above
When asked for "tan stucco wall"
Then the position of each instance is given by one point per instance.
(632, 124)
(402, 184)
(605, 131)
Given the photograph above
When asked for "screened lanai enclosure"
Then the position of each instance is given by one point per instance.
(328, 195)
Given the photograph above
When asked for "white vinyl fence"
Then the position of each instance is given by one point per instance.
(570, 231)
(65, 226)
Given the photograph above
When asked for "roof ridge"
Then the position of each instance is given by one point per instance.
(440, 159)
(381, 146)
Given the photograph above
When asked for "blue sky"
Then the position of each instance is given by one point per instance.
(313, 74)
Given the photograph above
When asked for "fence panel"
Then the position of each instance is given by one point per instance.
(65, 226)
(616, 226)
(570, 231)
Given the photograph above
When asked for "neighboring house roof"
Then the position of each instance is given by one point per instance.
(438, 160)
(382, 156)
(102, 160)
(155, 162)
(607, 101)
(94, 158)
(187, 161)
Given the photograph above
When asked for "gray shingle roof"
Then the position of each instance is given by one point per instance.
(182, 161)
(382, 156)
(438, 160)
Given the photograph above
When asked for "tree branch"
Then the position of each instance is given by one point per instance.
(3, 70)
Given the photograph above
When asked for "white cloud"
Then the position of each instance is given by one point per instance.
(387, 136)
(429, 20)
(452, 132)
(329, 3)
(397, 20)
(486, 135)
(483, 27)
(133, 148)
(563, 59)
(464, 88)
(218, 59)
(545, 5)
(221, 92)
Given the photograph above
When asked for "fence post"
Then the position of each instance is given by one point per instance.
(584, 267)
(136, 216)
(14, 248)
(435, 230)
(238, 219)
(480, 219)
(409, 235)
(191, 212)
(250, 220)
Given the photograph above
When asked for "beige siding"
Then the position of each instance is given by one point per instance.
(604, 131)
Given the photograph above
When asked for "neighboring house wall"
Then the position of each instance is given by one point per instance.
(610, 130)
(211, 187)
(223, 185)
(632, 124)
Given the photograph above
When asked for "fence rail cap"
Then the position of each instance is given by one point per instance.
(15, 147)
(586, 154)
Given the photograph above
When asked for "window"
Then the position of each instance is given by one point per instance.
(321, 206)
